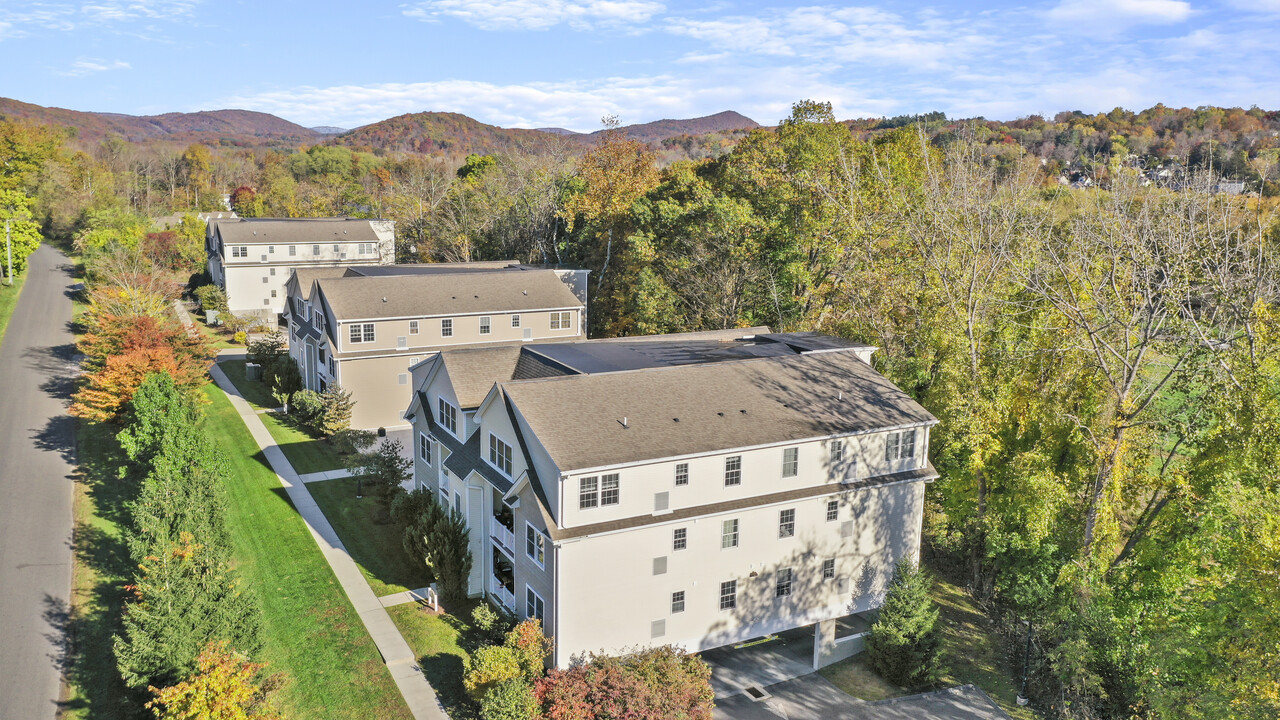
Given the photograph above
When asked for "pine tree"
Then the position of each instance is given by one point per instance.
(905, 638)
(335, 412)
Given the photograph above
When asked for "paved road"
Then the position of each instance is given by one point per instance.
(36, 458)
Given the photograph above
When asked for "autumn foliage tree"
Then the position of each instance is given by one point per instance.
(223, 687)
(659, 683)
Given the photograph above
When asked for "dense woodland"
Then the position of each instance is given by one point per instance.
(1104, 361)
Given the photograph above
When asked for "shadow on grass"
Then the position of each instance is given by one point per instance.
(443, 644)
(373, 540)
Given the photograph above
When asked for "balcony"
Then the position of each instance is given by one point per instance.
(503, 537)
(500, 593)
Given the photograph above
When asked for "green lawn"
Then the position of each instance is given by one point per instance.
(376, 548)
(443, 644)
(9, 300)
(310, 630)
(306, 452)
(219, 336)
(971, 653)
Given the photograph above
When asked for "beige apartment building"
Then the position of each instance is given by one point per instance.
(699, 489)
(366, 327)
(253, 258)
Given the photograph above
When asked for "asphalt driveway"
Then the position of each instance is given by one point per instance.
(37, 365)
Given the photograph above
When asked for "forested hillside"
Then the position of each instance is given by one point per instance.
(1105, 361)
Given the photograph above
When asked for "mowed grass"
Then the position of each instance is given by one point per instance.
(443, 644)
(307, 453)
(377, 548)
(102, 568)
(971, 653)
(310, 631)
(9, 300)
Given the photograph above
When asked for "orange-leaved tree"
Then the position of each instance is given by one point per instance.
(221, 688)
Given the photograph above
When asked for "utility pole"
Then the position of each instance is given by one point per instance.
(1026, 664)
(8, 250)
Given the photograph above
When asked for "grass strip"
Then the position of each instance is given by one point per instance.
(443, 644)
(306, 452)
(377, 548)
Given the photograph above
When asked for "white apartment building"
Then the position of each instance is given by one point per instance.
(366, 327)
(252, 258)
(699, 489)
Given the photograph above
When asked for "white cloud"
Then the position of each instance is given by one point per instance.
(538, 14)
(18, 18)
(92, 66)
(1102, 15)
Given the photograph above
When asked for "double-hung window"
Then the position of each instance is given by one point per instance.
(449, 416)
(733, 470)
(677, 602)
(239, 251)
(424, 448)
(499, 454)
(561, 321)
(833, 510)
(728, 594)
(534, 608)
(782, 588)
(485, 326)
(679, 539)
(787, 523)
(729, 534)
(900, 445)
(362, 332)
(837, 452)
(790, 462)
(588, 492)
(682, 473)
(829, 569)
(293, 250)
(315, 249)
(515, 321)
(413, 327)
(535, 545)
(609, 489)
(446, 327)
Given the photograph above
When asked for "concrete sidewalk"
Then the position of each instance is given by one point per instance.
(396, 653)
(325, 475)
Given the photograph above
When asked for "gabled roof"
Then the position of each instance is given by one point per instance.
(472, 372)
(692, 409)
(496, 291)
(278, 231)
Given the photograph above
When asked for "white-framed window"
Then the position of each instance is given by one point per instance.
(293, 250)
(677, 602)
(900, 445)
(728, 594)
(782, 586)
(446, 327)
(448, 416)
(535, 545)
(362, 332)
(337, 249)
(534, 608)
(588, 492)
(485, 326)
(829, 569)
(273, 293)
(790, 462)
(319, 323)
(561, 321)
(272, 271)
(729, 534)
(679, 539)
(682, 473)
(444, 496)
(239, 251)
(315, 249)
(833, 510)
(499, 454)
(424, 448)
(837, 451)
(365, 249)
(413, 327)
(271, 250)
(515, 321)
(787, 523)
(733, 470)
(609, 489)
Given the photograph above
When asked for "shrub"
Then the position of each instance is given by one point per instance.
(221, 688)
(269, 353)
(384, 469)
(660, 683)
(241, 337)
(306, 407)
(510, 700)
(436, 536)
(491, 666)
(211, 297)
(905, 638)
(354, 441)
(492, 626)
(531, 648)
(335, 413)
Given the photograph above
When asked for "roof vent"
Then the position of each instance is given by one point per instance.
(524, 292)
(675, 419)
(744, 412)
(623, 422)
(476, 297)
(384, 299)
(720, 414)
(839, 394)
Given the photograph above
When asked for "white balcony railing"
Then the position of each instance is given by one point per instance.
(502, 594)
(504, 538)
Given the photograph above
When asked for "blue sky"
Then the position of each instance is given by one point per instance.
(536, 63)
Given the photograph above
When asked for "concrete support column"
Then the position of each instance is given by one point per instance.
(824, 643)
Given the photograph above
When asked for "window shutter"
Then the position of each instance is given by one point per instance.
(660, 565)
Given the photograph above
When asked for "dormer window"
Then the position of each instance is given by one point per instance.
(499, 454)
(900, 445)
(449, 416)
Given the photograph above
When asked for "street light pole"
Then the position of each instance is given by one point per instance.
(1026, 663)
(8, 250)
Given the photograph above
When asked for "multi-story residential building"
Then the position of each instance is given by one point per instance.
(253, 258)
(365, 327)
(700, 489)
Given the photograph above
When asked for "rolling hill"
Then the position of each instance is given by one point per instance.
(659, 130)
(439, 133)
(217, 127)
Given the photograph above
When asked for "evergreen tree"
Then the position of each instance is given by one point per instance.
(438, 537)
(335, 410)
(383, 470)
(905, 638)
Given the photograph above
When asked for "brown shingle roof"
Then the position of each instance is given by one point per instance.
(719, 406)
(358, 298)
(472, 372)
(277, 231)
